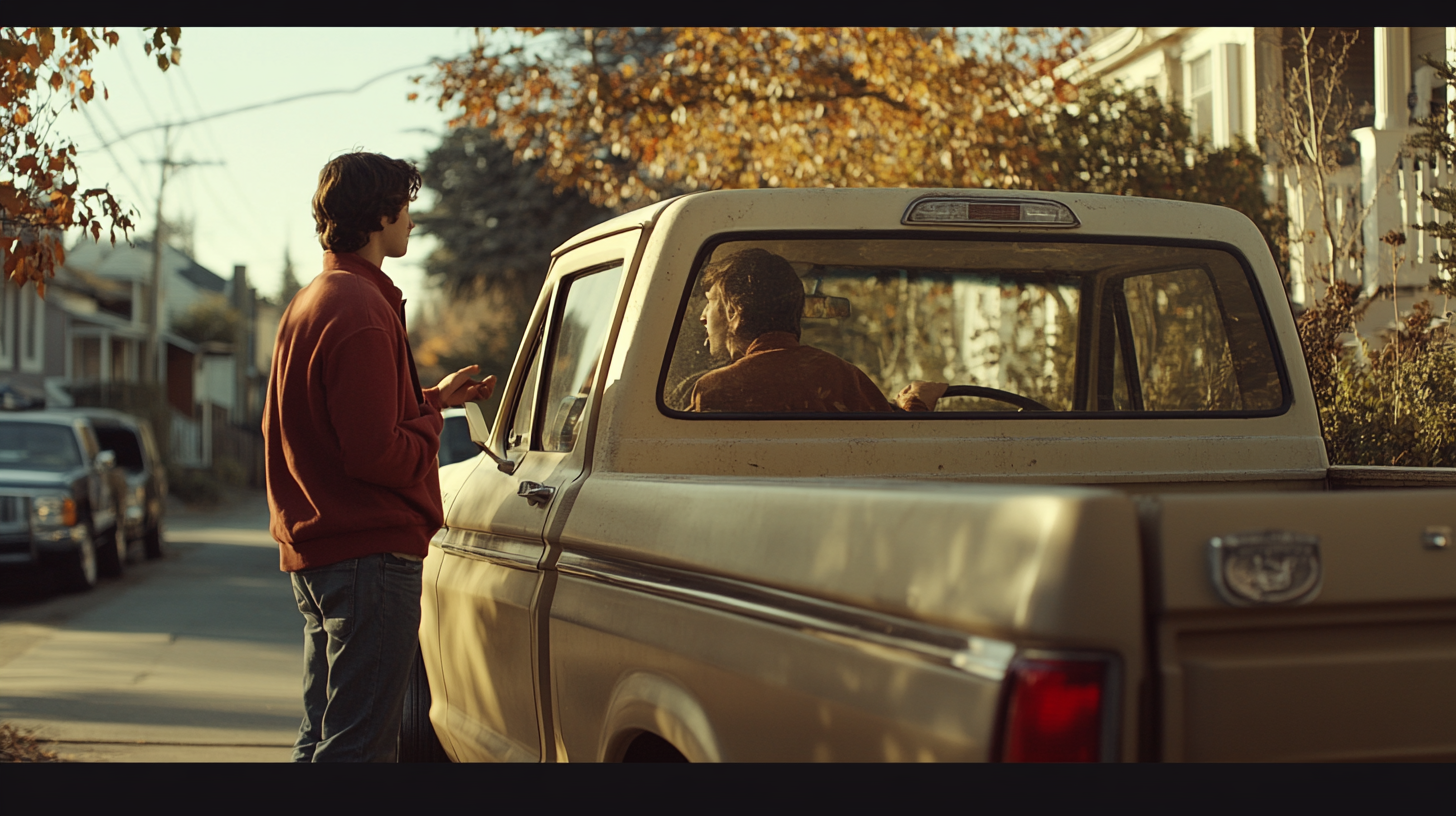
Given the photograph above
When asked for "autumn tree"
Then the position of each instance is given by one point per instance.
(44, 71)
(631, 115)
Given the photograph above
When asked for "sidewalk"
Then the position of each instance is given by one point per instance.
(193, 658)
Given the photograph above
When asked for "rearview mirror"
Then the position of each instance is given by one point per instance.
(480, 435)
(825, 306)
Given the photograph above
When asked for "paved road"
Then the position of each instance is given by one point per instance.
(197, 657)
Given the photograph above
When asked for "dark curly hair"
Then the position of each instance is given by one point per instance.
(763, 286)
(355, 190)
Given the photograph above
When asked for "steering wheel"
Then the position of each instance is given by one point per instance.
(1024, 403)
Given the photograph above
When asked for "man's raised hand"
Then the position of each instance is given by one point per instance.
(457, 389)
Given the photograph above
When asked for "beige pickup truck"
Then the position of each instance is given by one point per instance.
(1117, 537)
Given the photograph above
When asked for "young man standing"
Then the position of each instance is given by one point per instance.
(353, 487)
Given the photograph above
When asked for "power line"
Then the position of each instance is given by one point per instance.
(136, 83)
(282, 101)
(136, 188)
(248, 206)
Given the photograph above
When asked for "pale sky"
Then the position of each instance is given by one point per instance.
(255, 203)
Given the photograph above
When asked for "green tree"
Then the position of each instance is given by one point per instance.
(1131, 142)
(290, 281)
(497, 222)
(210, 320)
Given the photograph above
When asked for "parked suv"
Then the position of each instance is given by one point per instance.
(58, 501)
(139, 465)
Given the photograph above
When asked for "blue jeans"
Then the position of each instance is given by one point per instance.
(361, 630)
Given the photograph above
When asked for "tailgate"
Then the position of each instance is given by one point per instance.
(1362, 667)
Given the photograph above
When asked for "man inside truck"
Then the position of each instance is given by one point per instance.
(755, 302)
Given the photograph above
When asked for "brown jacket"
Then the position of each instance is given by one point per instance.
(777, 374)
(351, 438)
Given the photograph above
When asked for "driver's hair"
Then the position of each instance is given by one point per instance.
(763, 287)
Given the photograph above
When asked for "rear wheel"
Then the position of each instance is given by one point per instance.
(76, 571)
(111, 555)
(648, 747)
(417, 739)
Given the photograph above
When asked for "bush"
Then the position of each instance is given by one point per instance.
(1395, 405)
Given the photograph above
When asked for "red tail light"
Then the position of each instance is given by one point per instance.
(1053, 711)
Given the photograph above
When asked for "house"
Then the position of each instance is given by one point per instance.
(90, 333)
(1229, 80)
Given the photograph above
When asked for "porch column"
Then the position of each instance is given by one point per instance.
(104, 353)
(1378, 151)
(1450, 56)
(1392, 78)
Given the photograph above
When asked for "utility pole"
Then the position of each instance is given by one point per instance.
(152, 366)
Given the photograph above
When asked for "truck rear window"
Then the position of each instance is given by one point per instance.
(1031, 328)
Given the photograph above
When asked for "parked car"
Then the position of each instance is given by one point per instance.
(455, 442)
(58, 501)
(139, 466)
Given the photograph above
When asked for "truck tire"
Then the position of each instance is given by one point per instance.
(417, 739)
(152, 542)
(76, 571)
(111, 554)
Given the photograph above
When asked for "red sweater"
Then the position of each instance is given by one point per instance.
(351, 439)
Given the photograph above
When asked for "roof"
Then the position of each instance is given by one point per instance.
(103, 414)
(636, 218)
(42, 417)
(134, 263)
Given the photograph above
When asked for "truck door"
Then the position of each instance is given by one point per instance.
(490, 582)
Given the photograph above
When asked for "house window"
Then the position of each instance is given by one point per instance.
(31, 342)
(1215, 95)
(1200, 96)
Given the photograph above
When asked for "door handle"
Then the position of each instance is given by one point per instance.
(537, 494)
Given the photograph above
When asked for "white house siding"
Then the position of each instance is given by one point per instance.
(1247, 68)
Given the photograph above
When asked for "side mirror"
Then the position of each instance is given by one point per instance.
(480, 435)
(105, 460)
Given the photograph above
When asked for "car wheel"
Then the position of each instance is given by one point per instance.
(417, 739)
(77, 570)
(153, 542)
(111, 555)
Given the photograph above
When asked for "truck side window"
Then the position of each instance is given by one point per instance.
(525, 411)
(583, 319)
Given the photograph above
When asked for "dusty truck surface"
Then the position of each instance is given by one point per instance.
(1117, 537)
